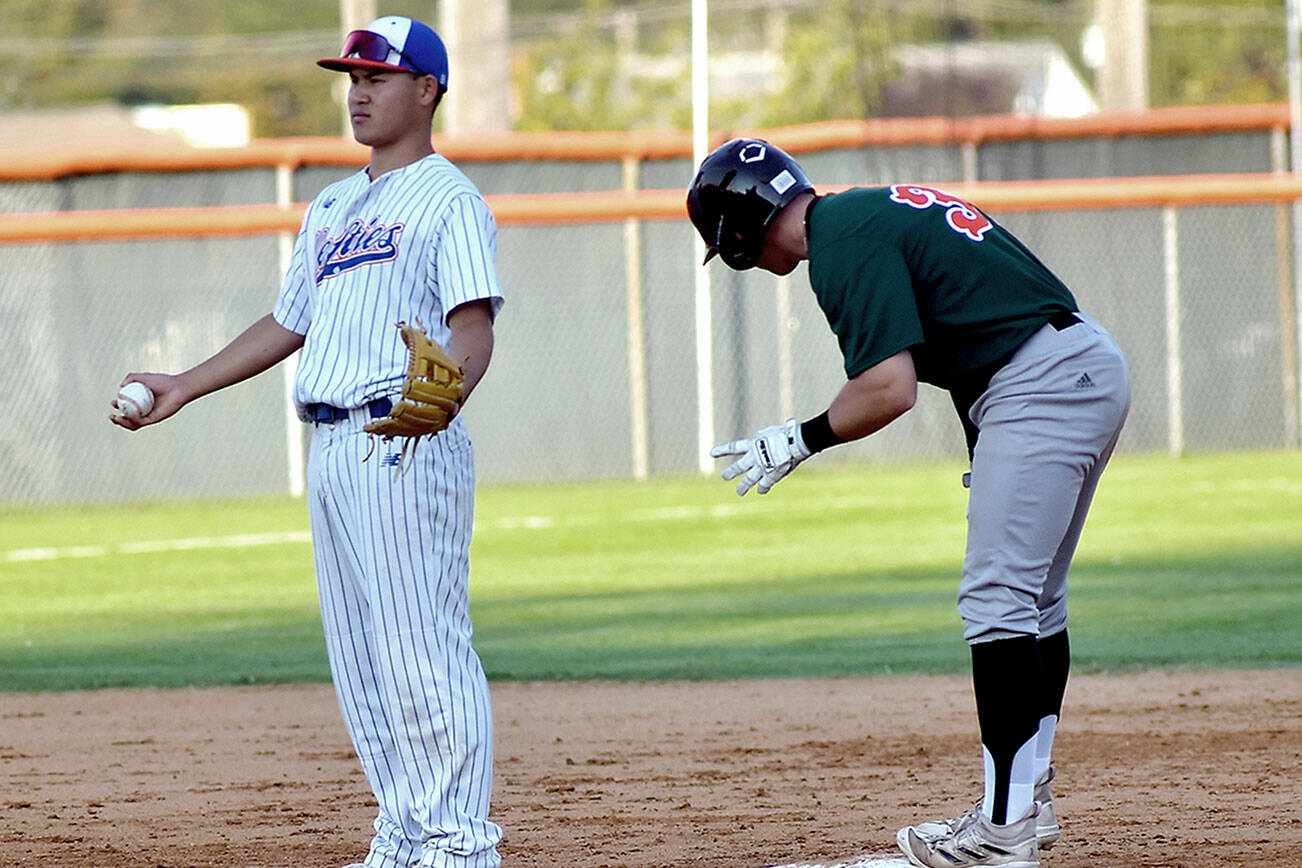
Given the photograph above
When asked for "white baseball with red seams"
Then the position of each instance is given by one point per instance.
(135, 400)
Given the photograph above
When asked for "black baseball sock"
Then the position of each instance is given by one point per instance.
(1006, 678)
(1055, 662)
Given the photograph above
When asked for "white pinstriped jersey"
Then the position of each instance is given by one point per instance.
(411, 245)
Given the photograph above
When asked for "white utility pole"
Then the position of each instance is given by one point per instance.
(478, 37)
(1123, 75)
(1294, 32)
(704, 327)
(353, 15)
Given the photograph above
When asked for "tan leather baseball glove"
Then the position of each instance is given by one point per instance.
(431, 393)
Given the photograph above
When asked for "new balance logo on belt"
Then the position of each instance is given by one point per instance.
(1084, 382)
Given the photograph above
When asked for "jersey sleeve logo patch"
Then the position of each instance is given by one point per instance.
(362, 243)
(962, 217)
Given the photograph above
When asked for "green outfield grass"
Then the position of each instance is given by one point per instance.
(842, 570)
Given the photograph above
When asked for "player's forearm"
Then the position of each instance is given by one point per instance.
(875, 398)
(471, 343)
(473, 348)
(259, 347)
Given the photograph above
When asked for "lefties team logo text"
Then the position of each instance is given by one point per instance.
(362, 243)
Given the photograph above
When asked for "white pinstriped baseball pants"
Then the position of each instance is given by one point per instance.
(1049, 421)
(392, 568)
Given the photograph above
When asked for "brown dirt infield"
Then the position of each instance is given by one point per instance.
(1154, 769)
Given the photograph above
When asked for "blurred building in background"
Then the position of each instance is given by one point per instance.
(960, 79)
(214, 125)
(221, 125)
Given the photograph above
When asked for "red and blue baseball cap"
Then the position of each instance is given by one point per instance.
(394, 43)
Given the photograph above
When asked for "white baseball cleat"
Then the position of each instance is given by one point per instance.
(975, 843)
(1047, 830)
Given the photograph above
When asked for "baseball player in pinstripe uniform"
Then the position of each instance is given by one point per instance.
(406, 239)
(919, 285)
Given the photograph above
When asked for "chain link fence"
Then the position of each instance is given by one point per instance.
(594, 373)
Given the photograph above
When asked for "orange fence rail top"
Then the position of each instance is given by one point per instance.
(28, 164)
(552, 208)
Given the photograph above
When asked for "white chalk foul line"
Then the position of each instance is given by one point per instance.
(141, 547)
(230, 541)
(870, 861)
(526, 522)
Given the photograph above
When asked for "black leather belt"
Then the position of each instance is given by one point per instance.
(318, 413)
(1064, 320)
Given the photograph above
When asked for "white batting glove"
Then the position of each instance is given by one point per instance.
(766, 457)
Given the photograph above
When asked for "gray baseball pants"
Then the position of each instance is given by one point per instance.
(1048, 423)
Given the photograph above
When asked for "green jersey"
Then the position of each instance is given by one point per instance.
(909, 267)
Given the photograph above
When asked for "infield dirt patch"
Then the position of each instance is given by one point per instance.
(1154, 769)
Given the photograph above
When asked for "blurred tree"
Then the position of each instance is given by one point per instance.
(585, 78)
(180, 51)
(1227, 51)
(837, 59)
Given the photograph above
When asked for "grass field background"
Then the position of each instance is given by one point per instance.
(841, 570)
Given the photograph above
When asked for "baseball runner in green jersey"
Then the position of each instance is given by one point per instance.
(920, 286)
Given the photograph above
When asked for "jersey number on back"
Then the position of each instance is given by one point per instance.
(962, 217)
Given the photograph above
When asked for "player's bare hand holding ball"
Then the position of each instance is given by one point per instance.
(256, 349)
(144, 399)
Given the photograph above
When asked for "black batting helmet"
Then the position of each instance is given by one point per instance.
(735, 195)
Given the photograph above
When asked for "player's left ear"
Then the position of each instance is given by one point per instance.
(430, 92)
